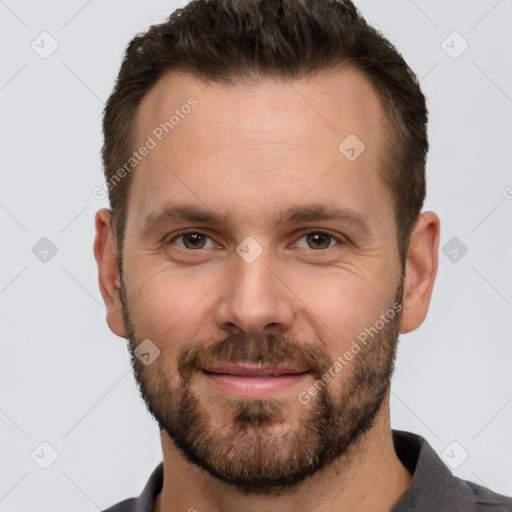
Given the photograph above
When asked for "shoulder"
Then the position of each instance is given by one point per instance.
(123, 506)
(483, 499)
(434, 487)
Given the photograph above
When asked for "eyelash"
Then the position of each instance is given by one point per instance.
(305, 234)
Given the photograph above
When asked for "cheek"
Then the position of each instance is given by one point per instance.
(341, 310)
(166, 306)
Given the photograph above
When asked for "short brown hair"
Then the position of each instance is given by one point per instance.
(240, 41)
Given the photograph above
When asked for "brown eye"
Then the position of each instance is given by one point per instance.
(192, 240)
(319, 240)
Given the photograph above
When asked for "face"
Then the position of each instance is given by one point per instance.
(258, 256)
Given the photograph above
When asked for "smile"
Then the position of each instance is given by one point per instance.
(254, 381)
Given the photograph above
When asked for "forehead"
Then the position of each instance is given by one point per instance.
(329, 104)
(231, 146)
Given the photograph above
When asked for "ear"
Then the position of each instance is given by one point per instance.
(420, 271)
(105, 253)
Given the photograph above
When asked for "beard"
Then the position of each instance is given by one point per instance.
(268, 446)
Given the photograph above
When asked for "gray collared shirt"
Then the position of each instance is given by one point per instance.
(433, 487)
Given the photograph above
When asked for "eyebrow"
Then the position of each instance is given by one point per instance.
(316, 212)
(294, 215)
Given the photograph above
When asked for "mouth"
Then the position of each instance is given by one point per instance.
(252, 381)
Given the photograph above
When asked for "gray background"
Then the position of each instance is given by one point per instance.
(65, 378)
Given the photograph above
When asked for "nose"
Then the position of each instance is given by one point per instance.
(255, 300)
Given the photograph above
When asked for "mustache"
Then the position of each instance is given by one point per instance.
(273, 349)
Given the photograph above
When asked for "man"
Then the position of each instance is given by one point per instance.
(265, 163)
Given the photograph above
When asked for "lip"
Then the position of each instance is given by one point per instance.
(251, 381)
(252, 370)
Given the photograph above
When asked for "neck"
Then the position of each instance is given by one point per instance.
(369, 477)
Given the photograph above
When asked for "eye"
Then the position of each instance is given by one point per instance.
(192, 240)
(319, 240)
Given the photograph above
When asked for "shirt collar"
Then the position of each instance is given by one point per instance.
(147, 499)
(433, 487)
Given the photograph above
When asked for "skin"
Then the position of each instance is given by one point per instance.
(250, 152)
